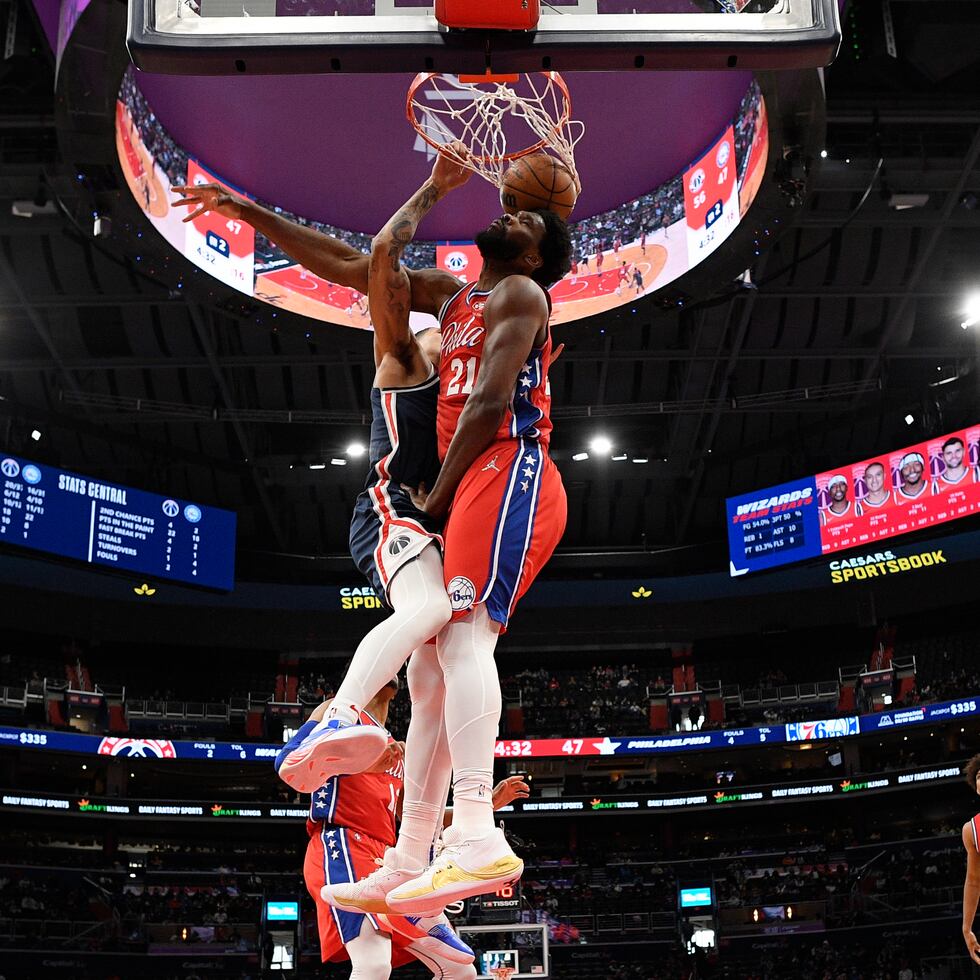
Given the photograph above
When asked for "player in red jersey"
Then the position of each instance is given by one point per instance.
(971, 886)
(506, 507)
(351, 824)
(506, 511)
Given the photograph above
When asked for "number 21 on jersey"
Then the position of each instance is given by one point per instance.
(463, 376)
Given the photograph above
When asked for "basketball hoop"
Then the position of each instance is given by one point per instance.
(482, 112)
(502, 972)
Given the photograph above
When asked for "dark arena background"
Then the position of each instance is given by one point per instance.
(744, 688)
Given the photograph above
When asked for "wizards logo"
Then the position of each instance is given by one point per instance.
(138, 748)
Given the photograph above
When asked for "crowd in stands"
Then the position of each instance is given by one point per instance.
(632, 221)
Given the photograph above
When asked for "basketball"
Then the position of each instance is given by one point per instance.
(538, 181)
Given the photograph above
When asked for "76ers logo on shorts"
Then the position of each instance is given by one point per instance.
(461, 593)
(139, 748)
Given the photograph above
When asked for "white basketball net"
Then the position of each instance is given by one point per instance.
(501, 972)
(444, 109)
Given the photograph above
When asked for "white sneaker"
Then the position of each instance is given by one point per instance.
(333, 748)
(464, 868)
(435, 937)
(370, 893)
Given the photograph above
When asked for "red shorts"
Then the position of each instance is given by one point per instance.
(337, 854)
(506, 519)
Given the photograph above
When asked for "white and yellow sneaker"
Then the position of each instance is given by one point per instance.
(464, 868)
(370, 893)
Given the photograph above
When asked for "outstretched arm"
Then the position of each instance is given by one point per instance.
(322, 254)
(514, 314)
(389, 285)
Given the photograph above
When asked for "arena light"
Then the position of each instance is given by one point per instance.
(909, 418)
(356, 450)
(620, 458)
(338, 461)
(578, 457)
(971, 310)
(601, 445)
(318, 466)
(823, 154)
(36, 435)
(640, 459)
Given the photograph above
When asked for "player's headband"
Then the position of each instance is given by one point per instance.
(836, 479)
(909, 458)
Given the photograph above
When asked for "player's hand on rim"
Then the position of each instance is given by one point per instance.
(510, 789)
(207, 197)
(447, 172)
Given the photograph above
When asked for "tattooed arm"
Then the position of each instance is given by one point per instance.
(399, 359)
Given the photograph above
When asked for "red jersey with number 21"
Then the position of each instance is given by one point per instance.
(463, 334)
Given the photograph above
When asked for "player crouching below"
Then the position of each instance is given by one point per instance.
(352, 824)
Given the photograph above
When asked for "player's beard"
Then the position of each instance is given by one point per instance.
(494, 245)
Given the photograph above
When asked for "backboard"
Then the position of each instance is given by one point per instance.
(229, 37)
(522, 947)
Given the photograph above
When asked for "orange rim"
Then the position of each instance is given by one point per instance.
(423, 76)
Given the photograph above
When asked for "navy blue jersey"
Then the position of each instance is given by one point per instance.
(403, 435)
(387, 530)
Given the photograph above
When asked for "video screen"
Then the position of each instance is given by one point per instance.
(857, 505)
(618, 255)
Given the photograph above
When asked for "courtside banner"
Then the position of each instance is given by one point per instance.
(12, 801)
(832, 728)
(857, 505)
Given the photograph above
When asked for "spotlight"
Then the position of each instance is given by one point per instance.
(578, 457)
(36, 435)
(601, 445)
(338, 461)
(909, 419)
(318, 466)
(823, 154)
(355, 449)
(619, 458)
(971, 310)
(640, 459)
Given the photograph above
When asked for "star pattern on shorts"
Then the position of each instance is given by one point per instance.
(335, 854)
(320, 804)
(530, 460)
(525, 382)
(528, 472)
(321, 794)
(331, 833)
(525, 485)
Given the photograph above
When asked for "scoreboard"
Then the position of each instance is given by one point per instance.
(858, 504)
(114, 526)
(503, 905)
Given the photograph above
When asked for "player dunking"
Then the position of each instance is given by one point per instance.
(514, 513)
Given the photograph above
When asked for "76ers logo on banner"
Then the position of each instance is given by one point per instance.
(138, 748)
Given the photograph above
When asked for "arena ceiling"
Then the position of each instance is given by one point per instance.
(851, 322)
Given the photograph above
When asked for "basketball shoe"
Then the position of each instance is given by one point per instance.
(432, 935)
(462, 869)
(331, 748)
(370, 894)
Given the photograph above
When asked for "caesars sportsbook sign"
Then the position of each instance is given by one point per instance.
(858, 505)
